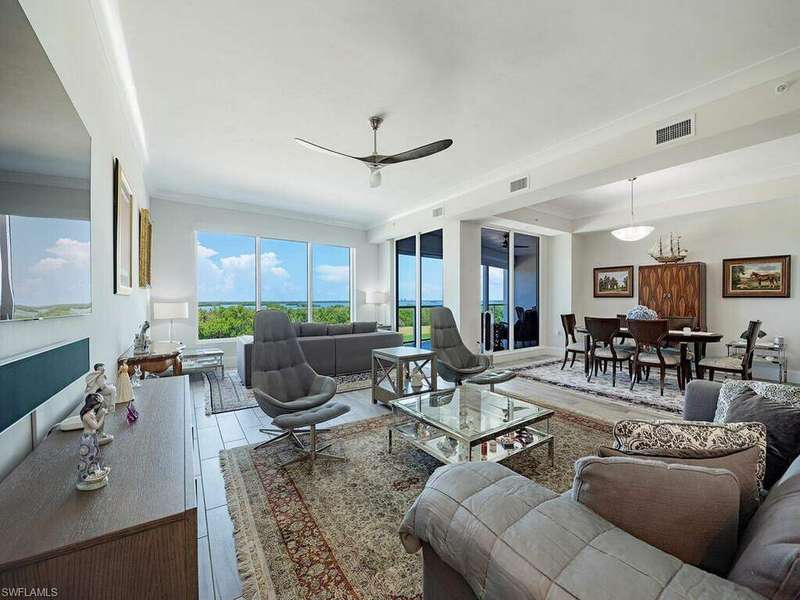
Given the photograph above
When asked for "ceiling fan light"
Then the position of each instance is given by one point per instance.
(375, 177)
(634, 233)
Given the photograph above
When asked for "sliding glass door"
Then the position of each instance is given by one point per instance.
(510, 270)
(406, 289)
(431, 281)
(419, 283)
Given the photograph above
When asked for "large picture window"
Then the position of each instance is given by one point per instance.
(406, 288)
(306, 281)
(330, 284)
(419, 272)
(284, 277)
(226, 285)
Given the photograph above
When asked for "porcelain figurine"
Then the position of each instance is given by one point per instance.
(416, 379)
(96, 383)
(124, 385)
(92, 475)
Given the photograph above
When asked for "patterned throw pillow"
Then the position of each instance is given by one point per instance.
(789, 394)
(685, 438)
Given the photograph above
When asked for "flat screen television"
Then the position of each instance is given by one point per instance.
(45, 202)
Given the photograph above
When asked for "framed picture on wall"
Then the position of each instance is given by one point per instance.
(756, 277)
(123, 232)
(613, 282)
(145, 246)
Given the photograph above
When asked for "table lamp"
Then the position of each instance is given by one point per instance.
(170, 310)
(377, 298)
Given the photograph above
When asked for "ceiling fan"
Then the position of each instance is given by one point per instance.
(505, 243)
(375, 162)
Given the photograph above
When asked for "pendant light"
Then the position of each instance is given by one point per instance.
(632, 233)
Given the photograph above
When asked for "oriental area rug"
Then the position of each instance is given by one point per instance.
(332, 533)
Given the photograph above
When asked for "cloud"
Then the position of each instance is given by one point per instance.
(66, 252)
(333, 273)
(279, 272)
(239, 263)
(204, 252)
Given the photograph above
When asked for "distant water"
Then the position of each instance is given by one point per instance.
(252, 305)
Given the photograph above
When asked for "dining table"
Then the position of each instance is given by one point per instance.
(698, 338)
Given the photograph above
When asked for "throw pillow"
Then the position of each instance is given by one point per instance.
(778, 408)
(313, 329)
(742, 463)
(340, 329)
(689, 512)
(365, 327)
(684, 438)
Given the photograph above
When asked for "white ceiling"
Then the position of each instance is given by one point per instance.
(763, 162)
(223, 88)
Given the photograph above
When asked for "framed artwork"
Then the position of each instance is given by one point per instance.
(756, 277)
(123, 232)
(145, 246)
(613, 282)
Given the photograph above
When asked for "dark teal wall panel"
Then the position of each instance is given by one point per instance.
(29, 381)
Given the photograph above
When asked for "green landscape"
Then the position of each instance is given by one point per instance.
(235, 319)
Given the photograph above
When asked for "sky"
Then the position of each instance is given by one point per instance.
(431, 280)
(226, 270)
(50, 261)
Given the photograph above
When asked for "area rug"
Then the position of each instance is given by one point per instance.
(645, 393)
(332, 533)
(224, 394)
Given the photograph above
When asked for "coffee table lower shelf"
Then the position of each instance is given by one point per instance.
(408, 430)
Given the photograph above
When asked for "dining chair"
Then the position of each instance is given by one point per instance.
(651, 338)
(743, 366)
(602, 332)
(623, 341)
(571, 345)
(677, 323)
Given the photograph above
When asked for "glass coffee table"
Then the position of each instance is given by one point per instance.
(470, 423)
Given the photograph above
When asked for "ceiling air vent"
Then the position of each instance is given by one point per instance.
(438, 212)
(518, 184)
(675, 131)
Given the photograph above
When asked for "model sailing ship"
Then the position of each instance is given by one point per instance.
(671, 253)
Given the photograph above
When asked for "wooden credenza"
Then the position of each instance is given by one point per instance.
(137, 537)
(677, 289)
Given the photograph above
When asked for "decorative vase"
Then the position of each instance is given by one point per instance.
(641, 313)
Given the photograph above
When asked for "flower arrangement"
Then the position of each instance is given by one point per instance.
(642, 313)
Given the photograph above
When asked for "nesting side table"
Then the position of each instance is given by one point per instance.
(392, 369)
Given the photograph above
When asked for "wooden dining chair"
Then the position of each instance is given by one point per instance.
(651, 338)
(677, 323)
(743, 366)
(602, 349)
(571, 345)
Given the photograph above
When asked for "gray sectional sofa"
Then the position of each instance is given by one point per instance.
(329, 349)
(488, 532)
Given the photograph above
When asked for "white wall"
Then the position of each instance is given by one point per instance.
(69, 35)
(174, 261)
(763, 229)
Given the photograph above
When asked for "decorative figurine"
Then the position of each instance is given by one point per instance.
(141, 342)
(92, 475)
(416, 379)
(133, 414)
(124, 386)
(96, 383)
(137, 376)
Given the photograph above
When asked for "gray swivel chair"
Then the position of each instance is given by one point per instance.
(287, 388)
(454, 362)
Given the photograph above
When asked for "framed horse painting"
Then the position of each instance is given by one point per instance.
(756, 277)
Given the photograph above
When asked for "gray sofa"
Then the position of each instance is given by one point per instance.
(329, 349)
(487, 532)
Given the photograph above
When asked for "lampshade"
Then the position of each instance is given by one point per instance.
(170, 310)
(633, 233)
(375, 297)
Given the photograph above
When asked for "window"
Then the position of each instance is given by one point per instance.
(503, 254)
(330, 285)
(431, 280)
(406, 288)
(226, 285)
(228, 296)
(284, 277)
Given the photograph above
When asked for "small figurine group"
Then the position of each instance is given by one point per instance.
(99, 401)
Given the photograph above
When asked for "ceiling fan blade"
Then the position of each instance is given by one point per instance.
(318, 148)
(420, 152)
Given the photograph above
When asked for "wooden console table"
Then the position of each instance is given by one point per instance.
(162, 356)
(135, 538)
